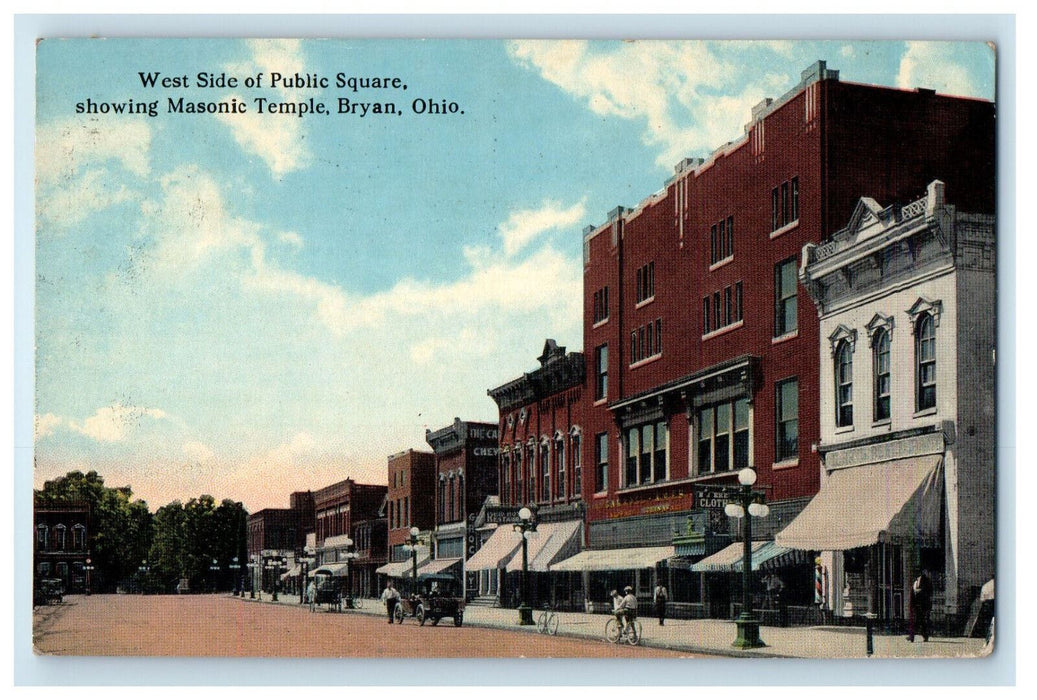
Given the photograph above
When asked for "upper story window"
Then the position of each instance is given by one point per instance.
(646, 454)
(785, 282)
(722, 240)
(601, 459)
(545, 471)
(787, 417)
(844, 384)
(559, 452)
(79, 536)
(601, 305)
(646, 341)
(722, 309)
(646, 282)
(785, 204)
(577, 456)
(925, 362)
(601, 372)
(723, 437)
(880, 348)
(41, 536)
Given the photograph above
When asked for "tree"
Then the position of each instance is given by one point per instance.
(120, 529)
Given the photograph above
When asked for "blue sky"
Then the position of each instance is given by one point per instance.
(245, 305)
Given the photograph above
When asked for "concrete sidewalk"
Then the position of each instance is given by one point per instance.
(712, 637)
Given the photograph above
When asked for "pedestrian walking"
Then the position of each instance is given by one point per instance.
(311, 594)
(921, 606)
(390, 596)
(659, 599)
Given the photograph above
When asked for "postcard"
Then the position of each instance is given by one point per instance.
(515, 348)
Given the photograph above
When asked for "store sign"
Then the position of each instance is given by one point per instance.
(485, 451)
(710, 499)
(483, 433)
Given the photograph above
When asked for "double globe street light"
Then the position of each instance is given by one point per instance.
(412, 546)
(526, 523)
(748, 504)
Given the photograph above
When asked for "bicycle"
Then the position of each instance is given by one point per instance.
(629, 633)
(547, 622)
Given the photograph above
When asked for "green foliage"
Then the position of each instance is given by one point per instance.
(120, 528)
(178, 541)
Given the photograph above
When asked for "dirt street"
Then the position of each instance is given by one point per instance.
(211, 625)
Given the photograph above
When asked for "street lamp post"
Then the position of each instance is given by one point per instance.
(88, 567)
(748, 504)
(215, 569)
(526, 524)
(143, 569)
(252, 567)
(235, 567)
(412, 546)
(278, 565)
(350, 555)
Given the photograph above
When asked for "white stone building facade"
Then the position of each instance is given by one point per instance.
(906, 297)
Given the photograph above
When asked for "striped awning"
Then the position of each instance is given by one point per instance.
(496, 551)
(400, 569)
(339, 568)
(896, 501)
(545, 545)
(615, 559)
(729, 558)
(438, 566)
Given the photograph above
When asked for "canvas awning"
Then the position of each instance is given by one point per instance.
(400, 569)
(436, 566)
(766, 555)
(338, 568)
(615, 559)
(896, 501)
(545, 545)
(291, 573)
(496, 551)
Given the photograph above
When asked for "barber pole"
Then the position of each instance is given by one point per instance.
(819, 596)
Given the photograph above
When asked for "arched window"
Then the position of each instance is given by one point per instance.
(545, 470)
(925, 362)
(576, 460)
(882, 383)
(844, 385)
(561, 487)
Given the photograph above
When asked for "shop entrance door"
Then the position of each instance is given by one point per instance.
(891, 582)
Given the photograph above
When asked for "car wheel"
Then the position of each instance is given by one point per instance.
(435, 621)
(420, 614)
(458, 619)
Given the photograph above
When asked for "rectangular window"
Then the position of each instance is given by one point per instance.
(730, 235)
(630, 475)
(716, 310)
(714, 253)
(785, 297)
(561, 488)
(776, 221)
(645, 282)
(545, 473)
(645, 454)
(601, 386)
(662, 441)
(787, 413)
(601, 474)
(647, 449)
(795, 199)
(785, 203)
(601, 305)
(706, 327)
(722, 239)
(520, 477)
(406, 511)
(658, 336)
(738, 301)
(723, 437)
(882, 376)
(577, 471)
(633, 347)
(729, 315)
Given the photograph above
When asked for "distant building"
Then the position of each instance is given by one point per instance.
(700, 344)
(540, 462)
(275, 534)
(410, 502)
(466, 474)
(906, 298)
(61, 544)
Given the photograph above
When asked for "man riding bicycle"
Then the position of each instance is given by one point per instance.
(626, 610)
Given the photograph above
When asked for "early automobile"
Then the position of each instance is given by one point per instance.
(439, 596)
(328, 590)
(48, 591)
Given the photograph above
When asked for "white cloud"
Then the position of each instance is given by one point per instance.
(112, 423)
(932, 64)
(278, 140)
(662, 84)
(64, 147)
(83, 167)
(199, 453)
(46, 424)
(524, 226)
(291, 239)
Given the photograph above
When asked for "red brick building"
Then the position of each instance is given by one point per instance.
(465, 455)
(410, 502)
(541, 463)
(701, 347)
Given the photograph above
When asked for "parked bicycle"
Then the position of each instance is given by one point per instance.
(615, 631)
(547, 622)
